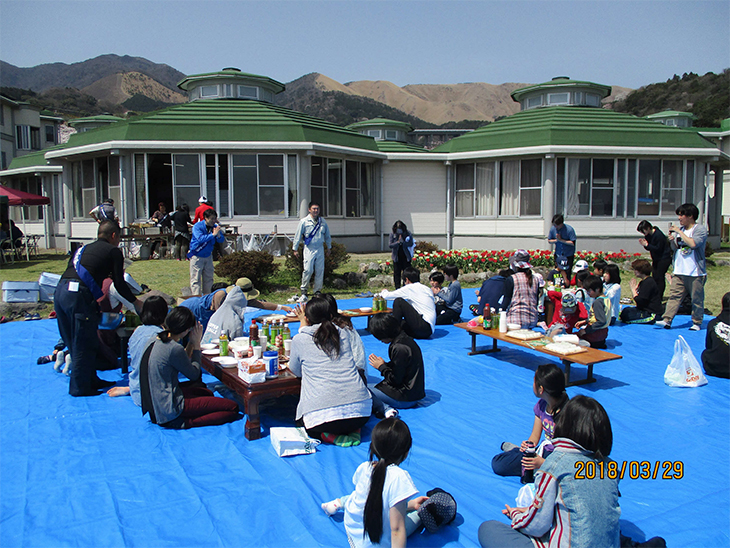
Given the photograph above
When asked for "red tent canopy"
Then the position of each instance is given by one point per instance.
(20, 198)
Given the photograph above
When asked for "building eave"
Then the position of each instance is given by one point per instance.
(587, 150)
(31, 169)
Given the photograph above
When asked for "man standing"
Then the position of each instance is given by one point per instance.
(315, 233)
(563, 236)
(201, 209)
(690, 267)
(77, 309)
(205, 234)
(105, 211)
(413, 305)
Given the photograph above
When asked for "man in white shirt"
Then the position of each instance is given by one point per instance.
(414, 305)
(315, 234)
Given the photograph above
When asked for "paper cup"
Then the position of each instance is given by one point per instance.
(263, 341)
(256, 352)
(287, 347)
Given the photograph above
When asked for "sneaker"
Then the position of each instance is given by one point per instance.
(44, 359)
(67, 366)
(332, 507)
(292, 299)
(664, 324)
(694, 327)
(391, 413)
(59, 361)
(507, 446)
(303, 298)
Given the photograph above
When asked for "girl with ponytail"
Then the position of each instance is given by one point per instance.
(381, 492)
(334, 399)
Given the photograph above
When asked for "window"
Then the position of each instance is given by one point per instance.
(88, 187)
(520, 190)
(51, 134)
(57, 194)
(245, 183)
(186, 178)
(578, 97)
(672, 188)
(620, 188)
(263, 184)
(22, 137)
(690, 191)
(535, 101)
(266, 96)
(374, 133)
(602, 188)
(227, 90)
(3, 161)
(140, 187)
(465, 190)
(649, 187)
(391, 134)
(593, 100)
(293, 195)
(35, 138)
(334, 184)
(271, 184)
(209, 91)
(558, 98)
(248, 92)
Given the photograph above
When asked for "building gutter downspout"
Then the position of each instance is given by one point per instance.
(380, 212)
(449, 201)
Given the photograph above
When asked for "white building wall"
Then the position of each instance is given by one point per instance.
(415, 193)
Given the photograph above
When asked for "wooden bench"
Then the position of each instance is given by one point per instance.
(588, 358)
(253, 394)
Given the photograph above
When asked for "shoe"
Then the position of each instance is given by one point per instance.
(293, 299)
(391, 413)
(664, 324)
(52, 315)
(473, 308)
(28, 317)
(44, 359)
(507, 446)
(695, 327)
(332, 507)
(303, 298)
(59, 361)
(67, 366)
(36, 316)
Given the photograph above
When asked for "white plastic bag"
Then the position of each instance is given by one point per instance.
(684, 370)
(288, 441)
(525, 495)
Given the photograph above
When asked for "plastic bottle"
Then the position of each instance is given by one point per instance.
(528, 476)
(495, 319)
(253, 331)
(223, 343)
(487, 317)
(502, 321)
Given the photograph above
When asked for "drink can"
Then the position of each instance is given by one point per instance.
(271, 360)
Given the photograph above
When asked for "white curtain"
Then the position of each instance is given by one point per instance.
(510, 188)
(485, 188)
(573, 201)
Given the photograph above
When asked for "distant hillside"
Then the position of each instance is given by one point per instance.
(118, 88)
(85, 73)
(707, 97)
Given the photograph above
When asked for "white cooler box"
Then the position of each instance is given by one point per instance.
(48, 283)
(21, 292)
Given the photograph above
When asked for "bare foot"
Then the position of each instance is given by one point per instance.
(118, 391)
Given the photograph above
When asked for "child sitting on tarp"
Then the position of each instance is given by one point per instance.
(595, 328)
(568, 311)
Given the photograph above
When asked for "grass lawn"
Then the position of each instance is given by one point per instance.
(170, 276)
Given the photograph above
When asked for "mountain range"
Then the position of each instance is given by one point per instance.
(125, 84)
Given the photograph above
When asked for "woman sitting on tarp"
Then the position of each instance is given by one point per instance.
(334, 399)
(169, 404)
(716, 356)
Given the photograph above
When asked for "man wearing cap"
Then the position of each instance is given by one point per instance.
(201, 209)
(229, 316)
(563, 236)
(76, 307)
(205, 234)
(315, 234)
(105, 211)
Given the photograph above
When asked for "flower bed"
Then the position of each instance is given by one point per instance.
(474, 260)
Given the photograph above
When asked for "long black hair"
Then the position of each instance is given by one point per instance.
(179, 320)
(586, 422)
(552, 380)
(390, 443)
(614, 274)
(326, 338)
(338, 319)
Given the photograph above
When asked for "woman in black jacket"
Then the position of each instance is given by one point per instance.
(656, 243)
(401, 242)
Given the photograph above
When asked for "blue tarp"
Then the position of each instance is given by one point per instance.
(94, 472)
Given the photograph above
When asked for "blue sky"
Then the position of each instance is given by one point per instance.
(617, 42)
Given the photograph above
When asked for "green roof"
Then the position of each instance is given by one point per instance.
(671, 113)
(560, 82)
(381, 122)
(34, 159)
(100, 118)
(225, 120)
(397, 146)
(578, 126)
(187, 82)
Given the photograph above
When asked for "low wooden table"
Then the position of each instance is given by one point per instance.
(588, 358)
(353, 313)
(253, 394)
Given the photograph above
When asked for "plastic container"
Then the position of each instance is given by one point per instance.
(271, 361)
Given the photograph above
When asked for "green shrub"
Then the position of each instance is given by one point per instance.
(337, 257)
(426, 247)
(257, 266)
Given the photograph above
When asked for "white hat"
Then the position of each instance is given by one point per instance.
(202, 199)
(580, 265)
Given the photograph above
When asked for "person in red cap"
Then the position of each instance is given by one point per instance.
(201, 209)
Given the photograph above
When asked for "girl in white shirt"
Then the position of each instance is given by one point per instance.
(612, 289)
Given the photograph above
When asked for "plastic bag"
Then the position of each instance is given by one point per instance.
(684, 370)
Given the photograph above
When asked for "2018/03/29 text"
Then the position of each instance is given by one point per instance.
(636, 469)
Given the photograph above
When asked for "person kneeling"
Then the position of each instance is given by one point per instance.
(403, 376)
(169, 404)
(595, 328)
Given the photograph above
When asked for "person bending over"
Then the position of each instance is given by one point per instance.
(414, 305)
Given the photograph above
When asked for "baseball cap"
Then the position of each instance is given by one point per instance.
(247, 287)
(568, 301)
(438, 510)
(202, 200)
(580, 265)
(561, 262)
(520, 259)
